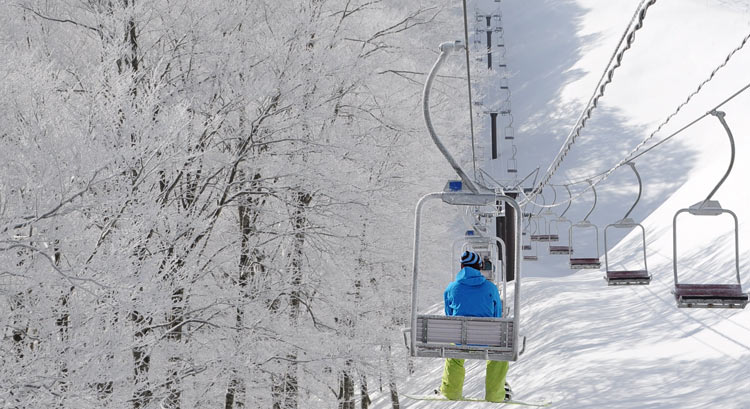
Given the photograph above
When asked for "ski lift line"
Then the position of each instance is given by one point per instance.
(468, 79)
(628, 36)
(631, 156)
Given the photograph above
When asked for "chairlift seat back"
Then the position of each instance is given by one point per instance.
(440, 336)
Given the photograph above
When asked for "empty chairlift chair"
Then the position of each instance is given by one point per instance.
(530, 252)
(555, 226)
(547, 215)
(512, 163)
(628, 276)
(584, 260)
(711, 295)
(540, 224)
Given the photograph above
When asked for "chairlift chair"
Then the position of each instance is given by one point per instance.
(543, 234)
(440, 336)
(531, 252)
(548, 215)
(512, 163)
(585, 262)
(555, 228)
(485, 338)
(627, 277)
(711, 295)
(509, 133)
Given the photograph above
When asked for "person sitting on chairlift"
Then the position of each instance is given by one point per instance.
(472, 295)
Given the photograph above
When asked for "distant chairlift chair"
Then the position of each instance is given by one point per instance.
(585, 262)
(627, 277)
(540, 224)
(531, 252)
(546, 216)
(512, 163)
(711, 295)
(555, 227)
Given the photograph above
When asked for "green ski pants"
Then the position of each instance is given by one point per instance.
(494, 381)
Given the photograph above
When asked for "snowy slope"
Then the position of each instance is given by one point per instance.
(593, 346)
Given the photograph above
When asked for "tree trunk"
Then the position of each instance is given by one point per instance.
(346, 388)
(285, 387)
(365, 394)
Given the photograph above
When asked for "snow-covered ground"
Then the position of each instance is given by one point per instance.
(593, 346)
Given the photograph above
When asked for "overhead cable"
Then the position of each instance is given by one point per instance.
(606, 78)
(630, 157)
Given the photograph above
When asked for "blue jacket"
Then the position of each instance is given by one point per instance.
(471, 295)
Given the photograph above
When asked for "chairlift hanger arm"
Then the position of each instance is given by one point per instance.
(570, 202)
(720, 115)
(445, 49)
(640, 189)
(593, 189)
